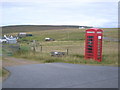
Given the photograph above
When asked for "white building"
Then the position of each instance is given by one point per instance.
(10, 40)
(3, 40)
(81, 27)
(22, 34)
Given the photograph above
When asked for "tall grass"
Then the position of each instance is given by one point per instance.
(75, 55)
(23, 50)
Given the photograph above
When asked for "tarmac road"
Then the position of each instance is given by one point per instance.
(61, 75)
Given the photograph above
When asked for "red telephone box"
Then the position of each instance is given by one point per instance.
(93, 44)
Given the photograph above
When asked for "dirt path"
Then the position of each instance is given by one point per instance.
(11, 61)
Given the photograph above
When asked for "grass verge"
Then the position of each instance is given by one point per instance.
(5, 74)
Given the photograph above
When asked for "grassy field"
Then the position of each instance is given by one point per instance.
(71, 39)
(67, 34)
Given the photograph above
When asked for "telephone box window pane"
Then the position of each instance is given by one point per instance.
(90, 43)
(90, 39)
(98, 58)
(90, 36)
(89, 54)
(89, 48)
(89, 51)
(98, 54)
(98, 48)
(99, 42)
(99, 51)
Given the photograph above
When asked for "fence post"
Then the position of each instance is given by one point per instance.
(41, 48)
(34, 50)
(67, 51)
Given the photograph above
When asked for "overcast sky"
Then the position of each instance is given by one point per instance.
(96, 13)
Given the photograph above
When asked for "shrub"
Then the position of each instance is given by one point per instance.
(22, 50)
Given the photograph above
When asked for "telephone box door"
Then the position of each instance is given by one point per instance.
(89, 47)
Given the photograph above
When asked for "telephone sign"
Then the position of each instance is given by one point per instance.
(93, 44)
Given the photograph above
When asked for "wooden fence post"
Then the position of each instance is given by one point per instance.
(41, 48)
(67, 51)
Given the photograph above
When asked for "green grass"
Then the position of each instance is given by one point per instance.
(110, 32)
(73, 58)
(59, 35)
(3, 72)
(71, 39)
(68, 34)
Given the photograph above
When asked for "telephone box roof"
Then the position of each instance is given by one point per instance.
(94, 29)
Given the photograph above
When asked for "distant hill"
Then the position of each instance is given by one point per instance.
(29, 28)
